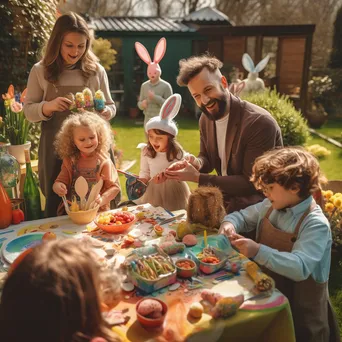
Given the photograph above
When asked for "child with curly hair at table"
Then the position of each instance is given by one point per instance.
(83, 143)
(54, 294)
(293, 243)
(161, 151)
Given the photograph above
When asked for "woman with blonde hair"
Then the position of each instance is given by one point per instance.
(54, 294)
(68, 66)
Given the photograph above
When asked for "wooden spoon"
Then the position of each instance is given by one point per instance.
(81, 188)
(95, 190)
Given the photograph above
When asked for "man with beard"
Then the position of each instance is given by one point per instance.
(233, 133)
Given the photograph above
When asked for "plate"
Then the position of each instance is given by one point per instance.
(12, 248)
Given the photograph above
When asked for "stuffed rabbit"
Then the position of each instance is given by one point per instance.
(155, 91)
(236, 88)
(253, 82)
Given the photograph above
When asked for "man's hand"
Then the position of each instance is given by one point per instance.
(227, 229)
(247, 247)
(159, 178)
(193, 161)
(176, 166)
(188, 173)
(60, 188)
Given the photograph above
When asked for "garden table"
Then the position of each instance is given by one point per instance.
(267, 319)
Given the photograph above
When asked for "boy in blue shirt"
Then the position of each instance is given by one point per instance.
(293, 243)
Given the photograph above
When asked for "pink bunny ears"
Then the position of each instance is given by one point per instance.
(168, 111)
(159, 53)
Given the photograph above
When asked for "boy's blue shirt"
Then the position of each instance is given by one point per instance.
(311, 253)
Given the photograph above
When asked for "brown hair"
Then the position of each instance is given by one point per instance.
(189, 68)
(64, 142)
(53, 61)
(53, 295)
(290, 167)
(174, 149)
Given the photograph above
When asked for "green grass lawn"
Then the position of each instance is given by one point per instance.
(130, 134)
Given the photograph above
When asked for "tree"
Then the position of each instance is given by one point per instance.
(103, 50)
(336, 54)
(25, 27)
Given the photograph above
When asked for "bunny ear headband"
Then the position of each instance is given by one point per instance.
(168, 111)
(248, 63)
(159, 53)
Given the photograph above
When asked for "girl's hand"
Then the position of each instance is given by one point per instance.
(227, 229)
(98, 200)
(195, 162)
(59, 104)
(60, 189)
(177, 166)
(143, 180)
(247, 247)
(106, 113)
(159, 178)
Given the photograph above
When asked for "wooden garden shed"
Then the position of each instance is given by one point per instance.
(206, 30)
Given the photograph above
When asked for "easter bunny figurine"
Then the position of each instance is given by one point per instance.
(155, 91)
(253, 82)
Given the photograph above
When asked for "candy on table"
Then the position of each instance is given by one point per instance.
(227, 306)
(79, 99)
(211, 296)
(196, 310)
(99, 100)
(172, 247)
(189, 240)
(261, 280)
(88, 98)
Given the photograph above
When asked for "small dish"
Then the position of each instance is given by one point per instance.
(186, 268)
(115, 228)
(151, 323)
(158, 229)
(83, 217)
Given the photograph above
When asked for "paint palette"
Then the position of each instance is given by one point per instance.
(12, 248)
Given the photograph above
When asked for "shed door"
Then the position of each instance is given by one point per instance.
(290, 64)
(233, 49)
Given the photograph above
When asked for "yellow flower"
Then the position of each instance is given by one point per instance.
(329, 207)
(328, 194)
(338, 202)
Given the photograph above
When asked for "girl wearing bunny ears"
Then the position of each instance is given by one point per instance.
(155, 91)
(160, 152)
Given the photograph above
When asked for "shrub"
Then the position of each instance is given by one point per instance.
(293, 126)
(102, 48)
(320, 152)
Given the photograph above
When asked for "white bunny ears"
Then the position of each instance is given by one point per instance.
(159, 53)
(248, 63)
(168, 111)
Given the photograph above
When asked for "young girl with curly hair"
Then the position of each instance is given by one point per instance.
(83, 143)
(293, 243)
(54, 294)
(68, 66)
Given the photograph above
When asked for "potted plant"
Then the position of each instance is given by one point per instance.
(15, 127)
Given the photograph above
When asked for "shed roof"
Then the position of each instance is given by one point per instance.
(139, 24)
(208, 14)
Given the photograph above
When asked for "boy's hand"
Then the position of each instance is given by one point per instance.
(247, 247)
(144, 104)
(60, 189)
(227, 229)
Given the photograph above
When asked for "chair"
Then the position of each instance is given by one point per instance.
(333, 185)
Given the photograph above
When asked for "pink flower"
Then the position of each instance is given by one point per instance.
(16, 107)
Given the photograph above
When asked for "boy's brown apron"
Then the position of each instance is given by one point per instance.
(313, 316)
(49, 165)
